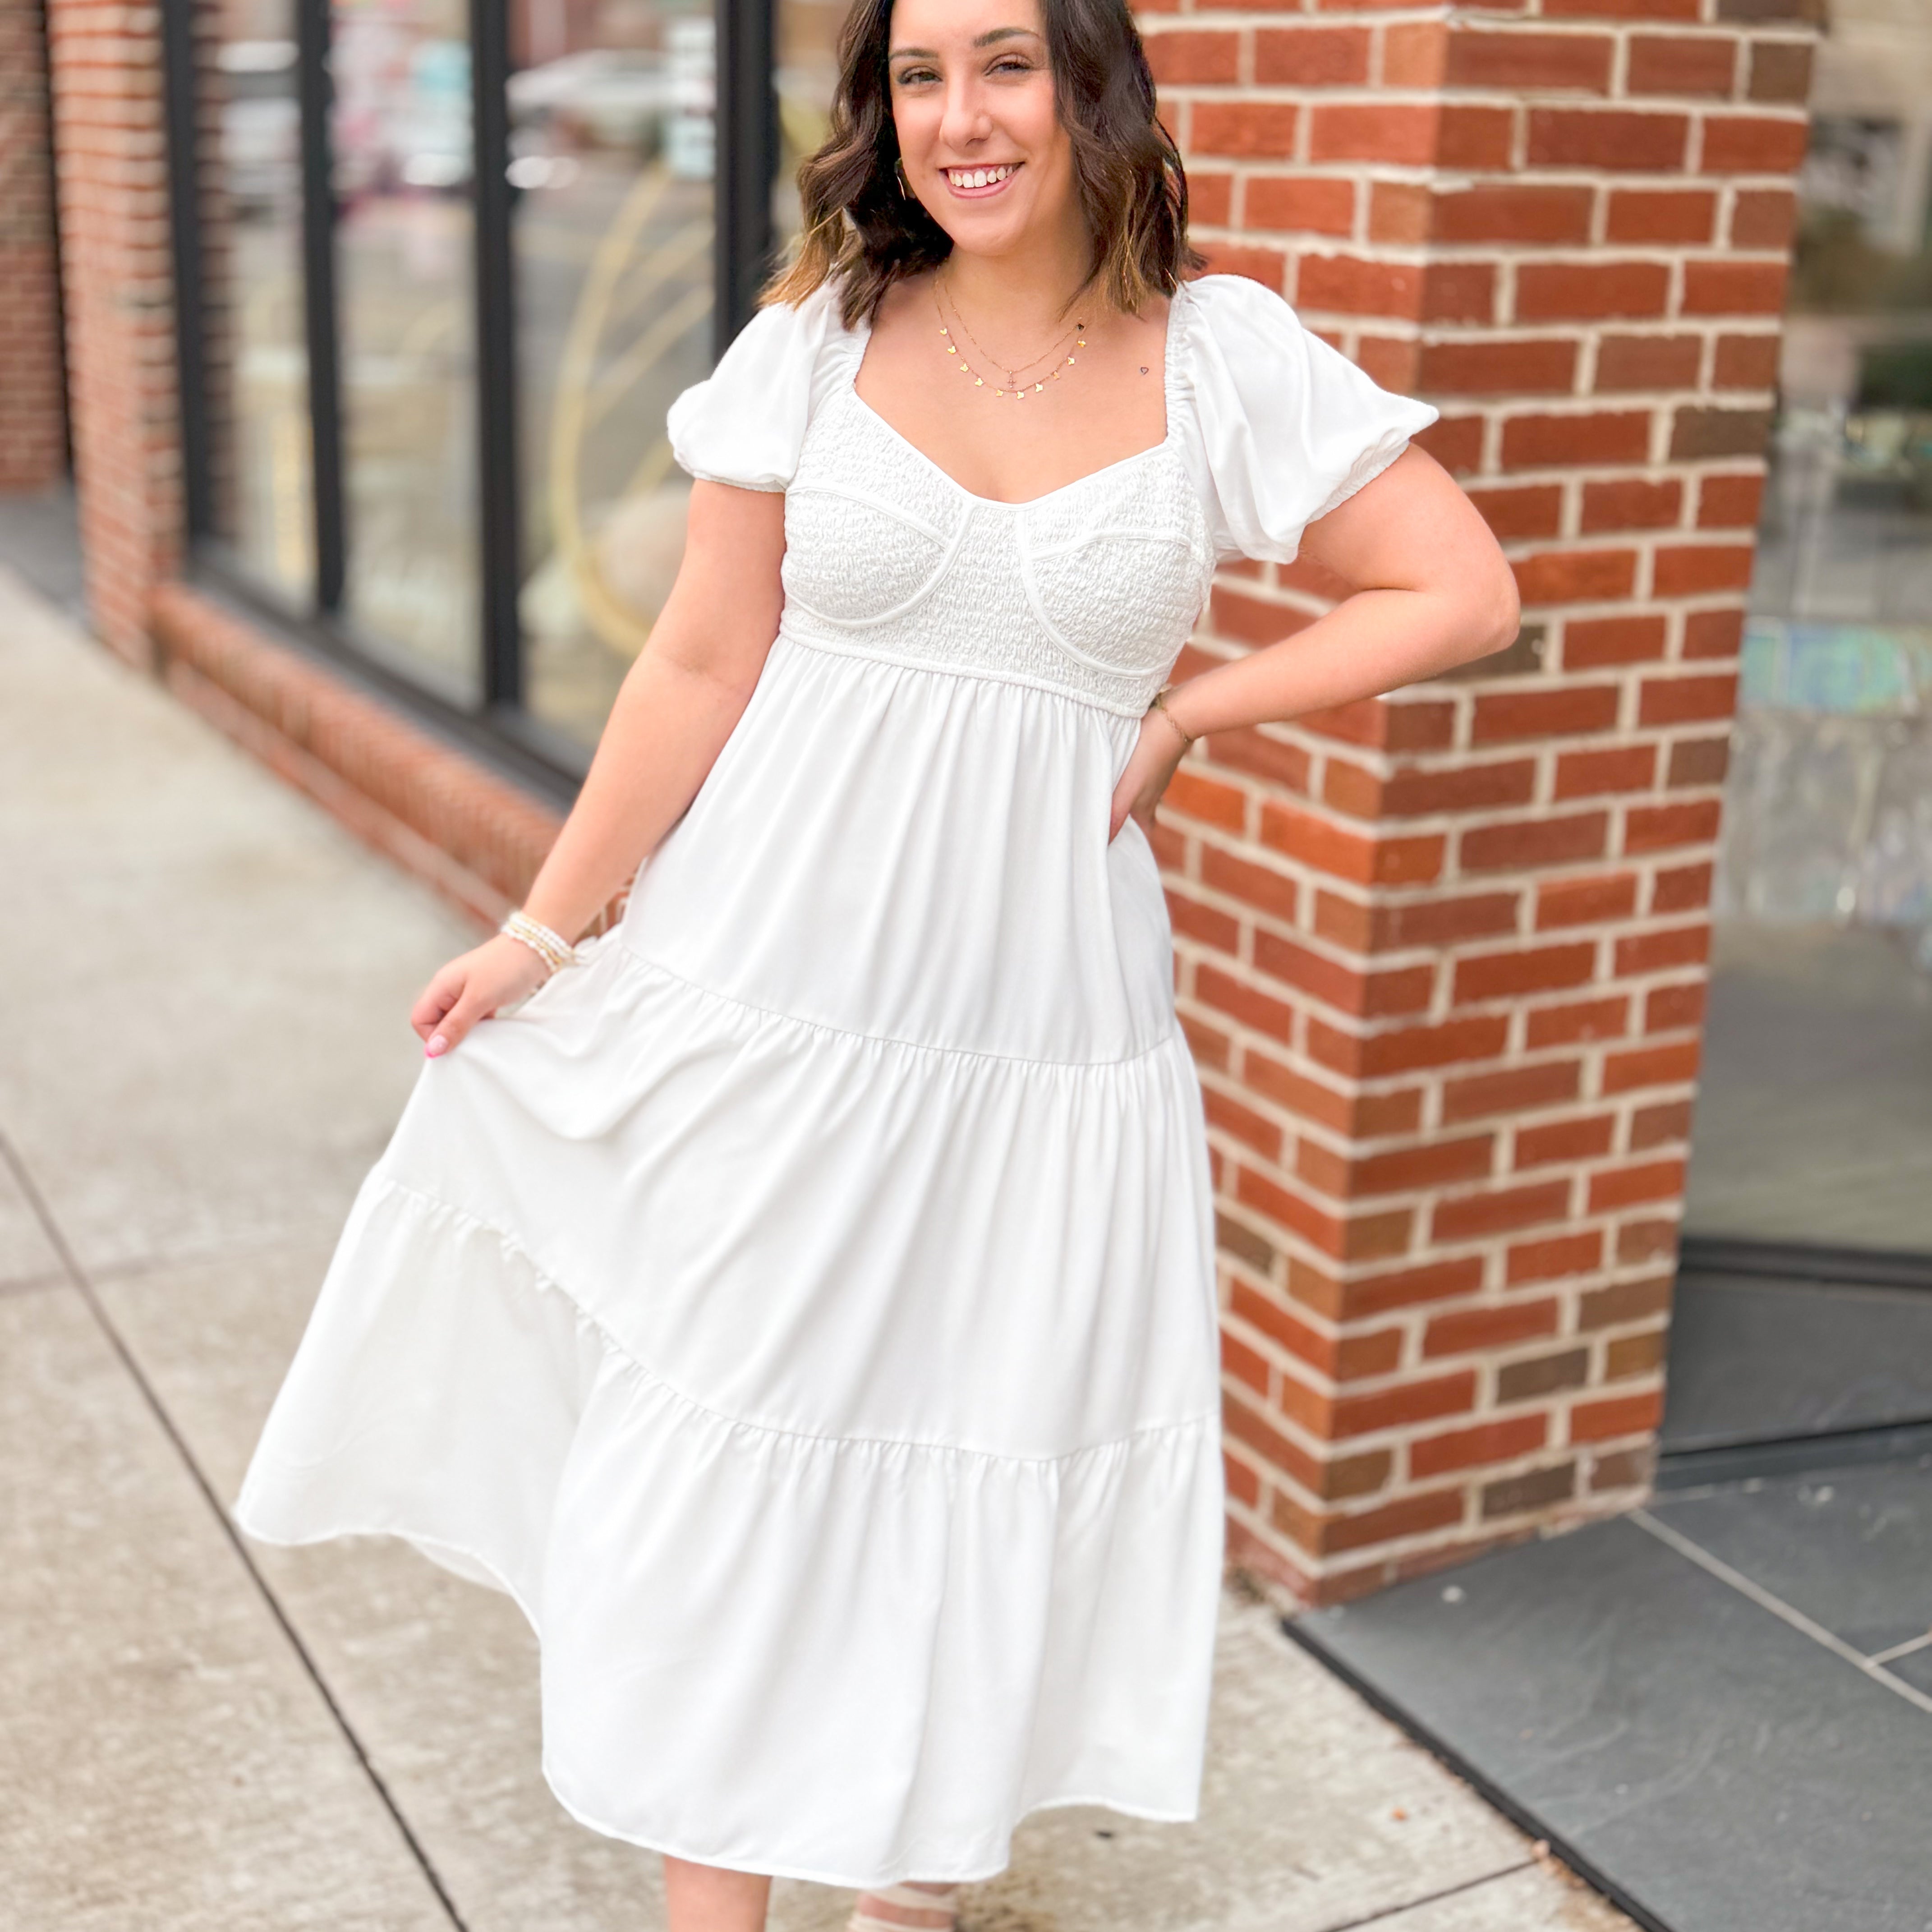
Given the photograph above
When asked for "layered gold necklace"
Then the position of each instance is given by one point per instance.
(1021, 380)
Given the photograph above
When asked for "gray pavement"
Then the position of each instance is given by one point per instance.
(204, 1048)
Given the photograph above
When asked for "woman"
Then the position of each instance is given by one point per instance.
(804, 1303)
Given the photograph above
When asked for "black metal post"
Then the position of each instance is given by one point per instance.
(180, 81)
(747, 132)
(317, 96)
(501, 533)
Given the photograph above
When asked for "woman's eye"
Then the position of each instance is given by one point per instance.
(1013, 64)
(911, 76)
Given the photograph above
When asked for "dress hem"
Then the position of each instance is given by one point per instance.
(492, 1578)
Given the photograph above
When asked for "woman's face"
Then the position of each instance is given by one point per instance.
(972, 98)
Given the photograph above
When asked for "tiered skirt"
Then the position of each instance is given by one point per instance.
(804, 1309)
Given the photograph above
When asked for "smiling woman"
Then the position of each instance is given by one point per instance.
(807, 1308)
(1067, 93)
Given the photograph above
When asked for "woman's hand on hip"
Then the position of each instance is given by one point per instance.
(1156, 754)
(472, 987)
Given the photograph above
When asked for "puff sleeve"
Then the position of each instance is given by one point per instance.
(1284, 427)
(746, 422)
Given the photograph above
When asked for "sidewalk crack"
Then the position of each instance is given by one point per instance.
(77, 1277)
(1395, 1912)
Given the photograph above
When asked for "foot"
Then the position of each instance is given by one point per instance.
(905, 1908)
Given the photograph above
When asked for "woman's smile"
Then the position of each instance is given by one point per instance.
(976, 184)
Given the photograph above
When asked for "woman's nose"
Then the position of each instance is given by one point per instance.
(965, 121)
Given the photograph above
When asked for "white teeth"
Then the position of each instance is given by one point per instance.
(979, 177)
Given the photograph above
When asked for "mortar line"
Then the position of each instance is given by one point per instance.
(78, 1277)
(1696, 1553)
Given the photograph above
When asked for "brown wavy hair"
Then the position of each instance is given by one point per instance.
(860, 230)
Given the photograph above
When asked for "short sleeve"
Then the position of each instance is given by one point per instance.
(1285, 427)
(746, 422)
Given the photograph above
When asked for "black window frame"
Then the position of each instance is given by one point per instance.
(499, 727)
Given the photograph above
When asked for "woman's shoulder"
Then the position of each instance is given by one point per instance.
(1282, 426)
(797, 335)
(746, 422)
(1229, 318)
(1242, 347)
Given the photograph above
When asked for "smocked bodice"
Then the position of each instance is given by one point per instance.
(1089, 591)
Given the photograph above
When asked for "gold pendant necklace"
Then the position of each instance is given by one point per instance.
(1014, 376)
(1014, 387)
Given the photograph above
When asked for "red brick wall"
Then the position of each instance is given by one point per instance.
(474, 836)
(111, 168)
(1443, 956)
(33, 425)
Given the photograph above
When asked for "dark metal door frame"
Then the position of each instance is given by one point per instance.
(500, 491)
(321, 315)
(746, 121)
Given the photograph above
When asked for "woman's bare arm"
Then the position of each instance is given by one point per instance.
(1441, 592)
(675, 707)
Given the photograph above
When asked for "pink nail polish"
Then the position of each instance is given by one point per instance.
(437, 1044)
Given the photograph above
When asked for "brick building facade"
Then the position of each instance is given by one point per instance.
(33, 427)
(1442, 955)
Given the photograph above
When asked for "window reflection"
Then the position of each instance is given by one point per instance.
(406, 284)
(806, 37)
(1814, 1116)
(613, 152)
(612, 160)
(255, 357)
(1832, 794)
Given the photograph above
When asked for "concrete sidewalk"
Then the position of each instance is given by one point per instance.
(204, 983)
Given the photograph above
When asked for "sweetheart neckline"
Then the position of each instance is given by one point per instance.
(1005, 502)
(1170, 424)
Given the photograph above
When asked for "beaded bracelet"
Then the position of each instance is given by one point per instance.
(551, 947)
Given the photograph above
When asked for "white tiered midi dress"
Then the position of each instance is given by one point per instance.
(805, 1309)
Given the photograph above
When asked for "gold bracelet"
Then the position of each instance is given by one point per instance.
(1160, 704)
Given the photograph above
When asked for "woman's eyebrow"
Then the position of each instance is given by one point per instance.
(985, 39)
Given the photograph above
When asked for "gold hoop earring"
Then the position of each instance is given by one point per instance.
(898, 168)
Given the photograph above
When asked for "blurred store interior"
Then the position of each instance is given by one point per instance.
(1803, 1308)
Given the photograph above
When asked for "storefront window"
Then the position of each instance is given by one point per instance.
(806, 75)
(455, 261)
(612, 154)
(1816, 1120)
(256, 358)
(401, 143)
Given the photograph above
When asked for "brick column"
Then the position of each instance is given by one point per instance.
(33, 414)
(112, 172)
(1443, 956)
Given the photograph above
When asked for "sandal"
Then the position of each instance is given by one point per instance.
(905, 1908)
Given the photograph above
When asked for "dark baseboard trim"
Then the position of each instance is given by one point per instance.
(1790, 1455)
(1804, 1261)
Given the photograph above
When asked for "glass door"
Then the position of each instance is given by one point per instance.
(1805, 1301)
